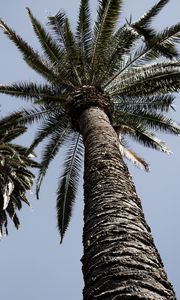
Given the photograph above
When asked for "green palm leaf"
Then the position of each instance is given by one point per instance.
(120, 44)
(35, 114)
(155, 121)
(15, 178)
(154, 103)
(84, 35)
(108, 13)
(32, 91)
(142, 26)
(125, 37)
(17, 202)
(132, 156)
(13, 216)
(9, 121)
(57, 122)
(60, 26)
(141, 135)
(83, 31)
(31, 57)
(169, 37)
(51, 49)
(56, 24)
(51, 149)
(68, 183)
(72, 51)
(13, 133)
(160, 44)
(147, 18)
(162, 78)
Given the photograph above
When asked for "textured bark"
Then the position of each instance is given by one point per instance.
(86, 97)
(120, 259)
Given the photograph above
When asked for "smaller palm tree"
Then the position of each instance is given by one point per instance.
(15, 178)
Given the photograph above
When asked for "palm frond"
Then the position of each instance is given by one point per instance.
(16, 197)
(31, 57)
(6, 192)
(84, 35)
(9, 121)
(72, 51)
(123, 40)
(50, 47)
(151, 13)
(153, 120)
(141, 135)
(164, 43)
(11, 212)
(61, 27)
(163, 78)
(49, 152)
(32, 91)
(120, 44)
(17, 202)
(154, 103)
(107, 16)
(13, 133)
(8, 150)
(56, 121)
(133, 157)
(132, 59)
(37, 114)
(15, 178)
(3, 224)
(68, 183)
(56, 24)
(10, 128)
(26, 159)
(160, 44)
(83, 32)
(19, 182)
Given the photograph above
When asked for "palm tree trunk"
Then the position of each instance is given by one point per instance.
(120, 259)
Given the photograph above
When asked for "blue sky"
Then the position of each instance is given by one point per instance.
(33, 263)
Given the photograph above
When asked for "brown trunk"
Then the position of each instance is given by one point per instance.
(120, 259)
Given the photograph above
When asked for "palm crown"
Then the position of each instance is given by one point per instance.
(130, 72)
(15, 178)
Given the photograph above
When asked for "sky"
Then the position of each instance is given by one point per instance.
(33, 264)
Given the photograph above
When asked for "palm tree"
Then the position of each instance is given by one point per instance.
(15, 178)
(103, 85)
